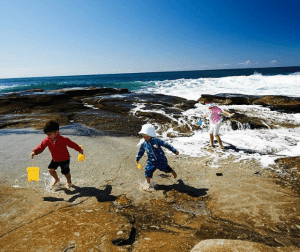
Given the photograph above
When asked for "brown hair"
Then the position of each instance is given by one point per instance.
(51, 126)
(208, 100)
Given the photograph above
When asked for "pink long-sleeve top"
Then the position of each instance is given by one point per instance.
(58, 149)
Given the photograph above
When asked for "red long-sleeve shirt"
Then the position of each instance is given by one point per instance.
(58, 149)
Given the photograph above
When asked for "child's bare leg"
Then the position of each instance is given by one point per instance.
(220, 142)
(174, 174)
(69, 182)
(211, 137)
(148, 180)
(54, 175)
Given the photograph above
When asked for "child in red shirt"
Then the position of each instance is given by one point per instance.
(59, 152)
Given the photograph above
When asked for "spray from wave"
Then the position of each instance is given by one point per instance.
(256, 84)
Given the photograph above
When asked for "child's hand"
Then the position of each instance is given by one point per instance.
(138, 165)
(227, 113)
(81, 152)
(32, 154)
(177, 153)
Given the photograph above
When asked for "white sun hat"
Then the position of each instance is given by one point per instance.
(210, 105)
(148, 129)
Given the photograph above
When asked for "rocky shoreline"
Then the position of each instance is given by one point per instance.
(113, 111)
(238, 206)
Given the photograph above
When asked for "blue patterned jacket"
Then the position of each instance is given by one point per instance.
(156, 156)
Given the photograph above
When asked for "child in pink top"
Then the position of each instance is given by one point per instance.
(215, 122)
(214, 112)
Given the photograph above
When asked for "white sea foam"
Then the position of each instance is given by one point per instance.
(255, 84)
(265, 145)
(89, 106)
(262, 145)
(4, 87)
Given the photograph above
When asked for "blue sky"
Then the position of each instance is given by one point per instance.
(76, 37)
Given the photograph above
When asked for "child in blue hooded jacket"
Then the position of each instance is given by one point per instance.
(156, 156)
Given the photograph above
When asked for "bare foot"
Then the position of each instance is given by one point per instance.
(54, 182)
(68, 185)
(221, 147)
(148, 187)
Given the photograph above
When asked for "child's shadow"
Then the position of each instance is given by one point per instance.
(101, 195)
(182, 187)
(245, 150)
(248, 151)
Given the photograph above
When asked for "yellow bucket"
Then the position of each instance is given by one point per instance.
(33, 173)
(81, 157)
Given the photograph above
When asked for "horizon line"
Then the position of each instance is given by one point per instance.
(171, 71)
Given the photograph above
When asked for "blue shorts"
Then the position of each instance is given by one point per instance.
(64, 165)
(149, 170)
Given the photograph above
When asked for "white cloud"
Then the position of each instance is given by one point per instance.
(224, 64)
(247, 62)
(274, 61)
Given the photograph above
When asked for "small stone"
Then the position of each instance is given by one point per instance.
(76, 234)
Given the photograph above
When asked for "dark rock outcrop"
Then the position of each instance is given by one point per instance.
(108, 110)
(275, 102)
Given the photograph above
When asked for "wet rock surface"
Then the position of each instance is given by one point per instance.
(289, 172)
(108, 210)
(109, 111)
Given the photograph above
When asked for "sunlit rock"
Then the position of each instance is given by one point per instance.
(222, 245)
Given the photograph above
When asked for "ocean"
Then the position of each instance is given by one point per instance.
(186, 84)
(264, 146)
